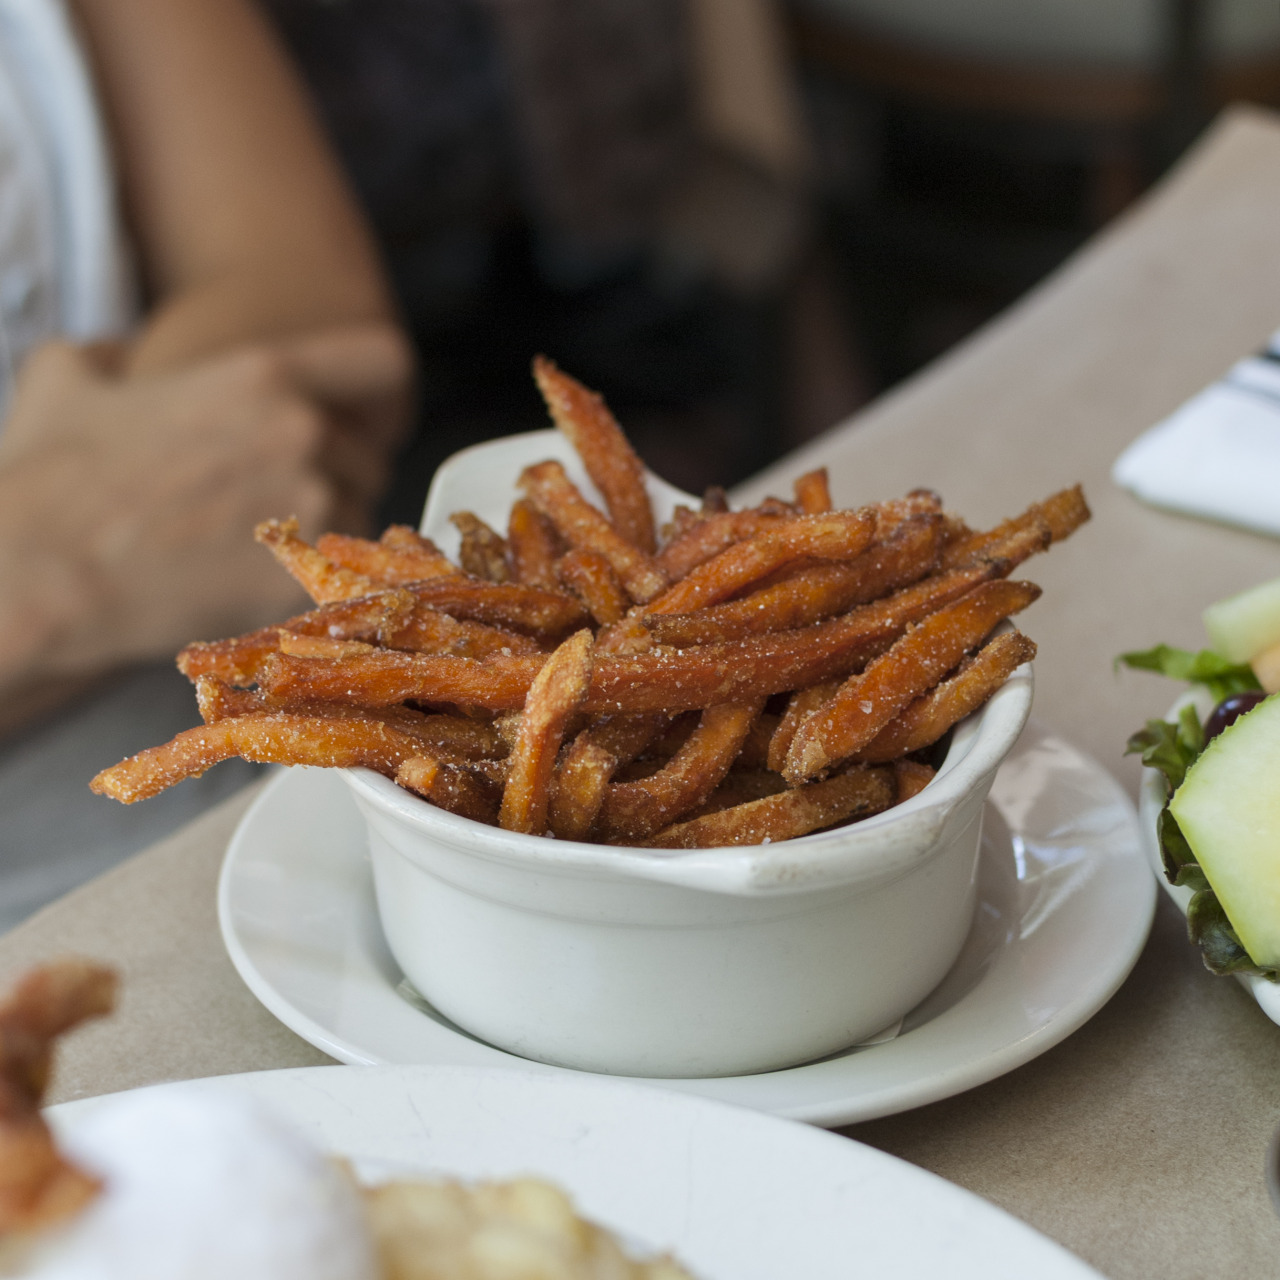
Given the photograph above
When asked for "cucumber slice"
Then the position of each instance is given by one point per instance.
(1228, 807)
(1244, 625)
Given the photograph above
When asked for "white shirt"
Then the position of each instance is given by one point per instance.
(64, 265)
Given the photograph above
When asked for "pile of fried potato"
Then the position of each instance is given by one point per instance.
(746, 677)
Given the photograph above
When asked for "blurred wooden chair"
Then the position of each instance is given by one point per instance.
(1133, 80)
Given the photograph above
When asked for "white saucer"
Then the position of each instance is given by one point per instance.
(1065, 903)
(735, 1196)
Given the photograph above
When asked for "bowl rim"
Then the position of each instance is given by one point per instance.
(882, 846)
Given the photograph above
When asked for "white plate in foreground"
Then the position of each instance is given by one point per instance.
(1064, 905)
(735, 1196)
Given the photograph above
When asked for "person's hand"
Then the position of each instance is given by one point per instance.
(127, 503)
(359, 377)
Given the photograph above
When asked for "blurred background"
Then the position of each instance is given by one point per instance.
(741, 219)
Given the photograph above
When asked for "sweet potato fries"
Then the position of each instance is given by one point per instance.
(738, 677)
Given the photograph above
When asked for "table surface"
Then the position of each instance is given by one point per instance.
(1138, 1142)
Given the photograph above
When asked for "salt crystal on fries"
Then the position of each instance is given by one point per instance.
(634, 810)
(556, 693)
(582, 525)
(834, 535)
(813, 493)
(591, 578)
(483, 552)
(589, 765)
(869, 700)
(811, 594)
(857, 793)
(318, 576)
(926, 719)
(401, 555)
(911, 777)
(449, 786)
(606, 453)
(532, 546)
(750, 676)
(263, 737)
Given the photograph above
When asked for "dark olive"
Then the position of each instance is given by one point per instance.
(1229, 710)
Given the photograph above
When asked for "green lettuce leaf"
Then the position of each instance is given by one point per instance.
(1170, 748)
(1218, 674)
(1220, 945)
(1173, 749)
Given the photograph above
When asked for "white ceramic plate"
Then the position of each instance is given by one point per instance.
(1065, 903)
(735, 1196)
(1150, 802)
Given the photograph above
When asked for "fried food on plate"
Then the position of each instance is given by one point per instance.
(192, 1180)
(38, 1185)
(741, 676)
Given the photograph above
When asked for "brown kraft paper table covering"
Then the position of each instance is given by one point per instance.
(1138, 1142)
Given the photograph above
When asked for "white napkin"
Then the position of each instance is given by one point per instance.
(1218, 455)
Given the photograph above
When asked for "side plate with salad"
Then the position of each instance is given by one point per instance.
(1210, 804)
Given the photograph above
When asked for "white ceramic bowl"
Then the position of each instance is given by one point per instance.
(650, 962)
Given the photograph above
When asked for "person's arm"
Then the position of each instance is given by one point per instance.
(268, 376)
(244, 224)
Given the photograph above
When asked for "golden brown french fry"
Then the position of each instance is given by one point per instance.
(236, 661)
(813, 492)
(581, 525)
(450, 786)
(533, 547)
(401, 556)
(801, 704)
(634, 810)
(555, 694)
(484, 552)
(1063, 513)
(589, 765)
(866, 703)
(776, 507)
(810, 594)
(658, 680)
(710, 536)
(628, 635)
(926, 719)
(591, 578)
(263, 737)
(392, 618)
(455, 738)
(836, 535)
(919, 502)
(858, 793)
(755, 747)
(450, 738)
(318, 576)
(910, 778)
(427, 630)
(217, 700)
(305, 646)
(606, 453)
(502, 604)
(740, 786)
